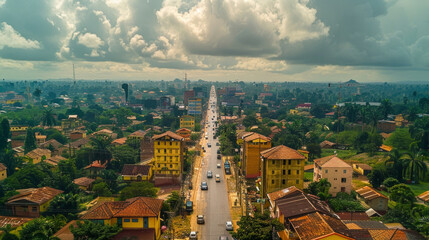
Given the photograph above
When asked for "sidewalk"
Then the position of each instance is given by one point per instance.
(233, 196)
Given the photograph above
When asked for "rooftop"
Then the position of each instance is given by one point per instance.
(96, 164)
(134, 169)
(83, 181)
(169, 134)
(331, 161)
(424, 196)
(34, 196)
(281, 152)
(2, 167)
(13, 221)
(368, 193)
(38, 152)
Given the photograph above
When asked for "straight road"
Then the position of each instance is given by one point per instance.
(213, 203)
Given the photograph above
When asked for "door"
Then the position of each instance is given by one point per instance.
(119, 222)
(145, 222)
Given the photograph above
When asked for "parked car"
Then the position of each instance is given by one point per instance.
(218, 151)
(200, 219)
(204, 186)
(193, 235)
(217, 144)
(189, 206)
(219, 156)
(218, 165)
(209, 174)
(209, 145)
(223, 238)
(217, 178)
(229, 226)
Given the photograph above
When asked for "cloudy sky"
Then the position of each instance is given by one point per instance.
(219, 40)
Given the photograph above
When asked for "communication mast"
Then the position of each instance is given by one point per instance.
(74, 76)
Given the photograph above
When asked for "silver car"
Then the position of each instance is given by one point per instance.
(229, 226)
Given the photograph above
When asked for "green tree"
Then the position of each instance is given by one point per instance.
(314, 150)
(386, 108)
(377, 176)
(400, 139)
(101, 189)
(320, 188)
(30, 141)
(257, 227)
(48, 118)
(390, 182)
(413, 160)
(42, 228)
(66, 204)
(88, 230)
(250, 120)
(395, 165)
(101, 147)
(7, 235)
(138, 189)
(11, 161)
(37, 93)
(345, 202)
(401, 193)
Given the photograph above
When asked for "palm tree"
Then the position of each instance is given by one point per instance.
(396, 164)
(386, 107)
(37, 93)
(48, 118)
(413, 160)
(12, 162)
(100, 147)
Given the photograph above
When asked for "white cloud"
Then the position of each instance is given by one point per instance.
(90, 40)
(259, 64)
(11, 38)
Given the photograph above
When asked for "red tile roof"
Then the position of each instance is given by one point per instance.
(253, 136)
(170, 134)
(138, 133)
(83, 181)
(2, 167)
(96, 164)
(34, 195)
(331, 161)
(353, 215)
(119, 141)
(134, 170)
(134, 207)
(281, 152)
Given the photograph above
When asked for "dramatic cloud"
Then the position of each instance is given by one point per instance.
(90, 40)
(10, 38)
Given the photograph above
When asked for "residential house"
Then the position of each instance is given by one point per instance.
(31, 202)
(106, 132)
(385, 148)
(40, 138)
(135, 172)
(137, 135)
(3, 172)
(19, 151)
(424, 197)
(78, 134)
(362, 168)
(54, 160)
(18, 130)
(327, 144)
(168, 154)
(282, 167)
(252, 145)
(119, 141)
(304, 107)
(84, 183)
(336, 171)
(185, 133)
(71, 122)
(52, 145)
(14, 222)
(400, 121)
(139, 215)
(386, 126)
(187, 121)
(95, 168)
(38, 154)
(374, 199)
(76, 145)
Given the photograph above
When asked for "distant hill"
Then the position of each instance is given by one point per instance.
(351, 81)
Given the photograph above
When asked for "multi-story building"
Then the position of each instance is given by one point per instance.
(194, 106)
(168, 154)
(252, 145)
(187, 121)
(282, 167)
(139, 217)
(336, 171)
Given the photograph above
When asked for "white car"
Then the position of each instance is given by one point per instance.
(217, 178)
(193, 235)
(218, 165)
(229, 226)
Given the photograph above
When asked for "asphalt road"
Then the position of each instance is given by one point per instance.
(213, 204)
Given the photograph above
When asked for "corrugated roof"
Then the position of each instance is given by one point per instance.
(13, 221)
(368, 193)
(366, 224)
(386, 148)
(35, 195)
(424, 196)
(281, 152)
(83, 181)
(170, 134)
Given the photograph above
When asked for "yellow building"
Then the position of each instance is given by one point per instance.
(282, 167)
(168, 154)
(137, 135)
(252, 145)
(293, 111)
(139, 213)
(187, 121)
(39, 154)
(71, 122)
(3, 172)
(31, 202)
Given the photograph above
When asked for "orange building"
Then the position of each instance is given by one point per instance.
(252, 145)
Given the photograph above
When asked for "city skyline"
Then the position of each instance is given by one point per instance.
(297, 41)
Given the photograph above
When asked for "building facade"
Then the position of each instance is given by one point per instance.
(188, 122)
(252, 145)
(194, 106)
(282, 167)
(168, 154)
(336, 171)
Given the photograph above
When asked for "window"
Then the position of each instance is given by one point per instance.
(159, 143)
(284, 172)
(159, 151)
(288, 172)
(326, 171)
(135, 220)
(344, 171)
(298, 162)
(274, 162)
(284, 162)
(272, 172)
(284, 181)
(34, 209)
(171, 165)
(343, 189)
(335, 179)
(272, 181)
(343, 180)
(171, 143)
(336, 170)
(126, 220)
(297, 172)
(290, 162)
(159, 165)
(297, 181)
